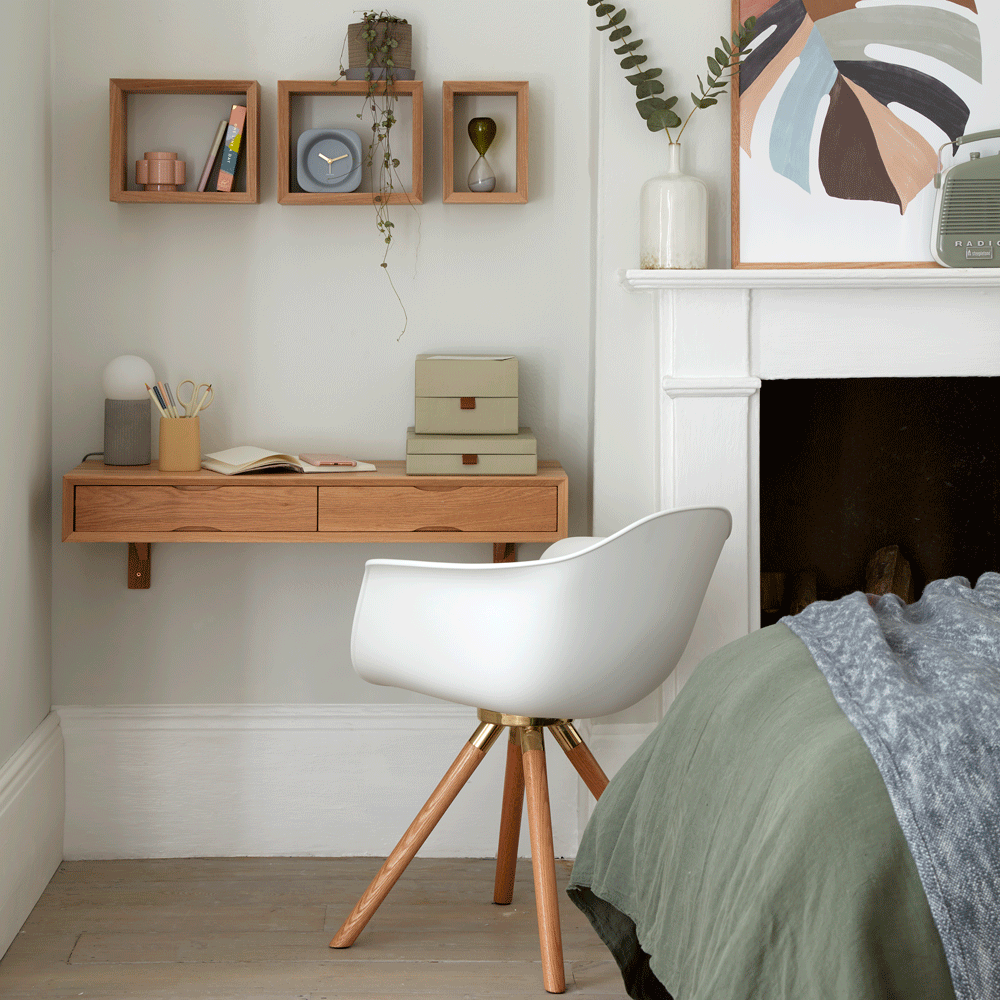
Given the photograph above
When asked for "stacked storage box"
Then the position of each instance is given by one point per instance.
(465, 418)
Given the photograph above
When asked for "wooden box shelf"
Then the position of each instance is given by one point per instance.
(450, 89)
(290, 89)
(248, 90)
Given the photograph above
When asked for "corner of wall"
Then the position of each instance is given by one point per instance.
(32, 793)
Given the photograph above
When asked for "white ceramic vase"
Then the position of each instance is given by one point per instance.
(673, 219)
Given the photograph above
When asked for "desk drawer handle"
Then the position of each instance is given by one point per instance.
(437, 527)
(197, 489)
(195, 527)
(468, 402)
(470, 460)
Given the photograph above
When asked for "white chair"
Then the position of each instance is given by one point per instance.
(589, 629)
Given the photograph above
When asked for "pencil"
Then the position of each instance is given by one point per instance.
(170, 399)
(165, 397)
(152, 396)
(201, 402)
(161, 400)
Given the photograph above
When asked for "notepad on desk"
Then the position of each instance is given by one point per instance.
(248, 458)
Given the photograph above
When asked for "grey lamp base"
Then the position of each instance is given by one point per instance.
(127, 439)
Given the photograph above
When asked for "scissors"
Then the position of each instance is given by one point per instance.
(200, 397)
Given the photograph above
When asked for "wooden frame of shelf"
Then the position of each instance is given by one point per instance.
(288, 89)
(119, 92)
(450, 89)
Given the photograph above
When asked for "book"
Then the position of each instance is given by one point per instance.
(231, 148)
(212, 154)
(248, 458)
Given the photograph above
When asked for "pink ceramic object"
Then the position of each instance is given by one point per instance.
(160, 172)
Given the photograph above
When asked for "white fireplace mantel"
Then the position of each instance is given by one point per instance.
(721, 333)
(897, 279)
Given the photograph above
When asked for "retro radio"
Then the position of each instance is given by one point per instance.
(967, 209)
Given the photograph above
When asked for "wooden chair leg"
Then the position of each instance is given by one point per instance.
(510, 821)
(580, 757)
(402, 854)
(543, 859)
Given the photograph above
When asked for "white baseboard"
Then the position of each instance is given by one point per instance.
(262, 780)
(613, 743)
(31, 824)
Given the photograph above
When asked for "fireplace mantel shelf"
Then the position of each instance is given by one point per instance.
(891, 279)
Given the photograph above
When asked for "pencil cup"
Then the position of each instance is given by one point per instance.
(180, 444)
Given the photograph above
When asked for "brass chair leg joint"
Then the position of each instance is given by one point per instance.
(485, 735)
(532, 738)
(566, 735)
(503, 719)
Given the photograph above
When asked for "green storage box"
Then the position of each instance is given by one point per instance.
(471, 454)
(465, 394)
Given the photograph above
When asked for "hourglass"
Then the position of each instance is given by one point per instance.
(482, 132)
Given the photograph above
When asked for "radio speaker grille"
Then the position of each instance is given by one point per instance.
(971, 207)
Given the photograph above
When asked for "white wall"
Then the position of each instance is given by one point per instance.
(31, 773)
(677, 38)
(25, 375)
(286, 311)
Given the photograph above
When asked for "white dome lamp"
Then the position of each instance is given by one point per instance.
(127, 411)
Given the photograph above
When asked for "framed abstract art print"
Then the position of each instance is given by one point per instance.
(841, 112)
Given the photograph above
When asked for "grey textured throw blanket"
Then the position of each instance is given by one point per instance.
(921, 684)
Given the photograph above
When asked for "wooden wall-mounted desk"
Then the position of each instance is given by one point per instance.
(140, 505)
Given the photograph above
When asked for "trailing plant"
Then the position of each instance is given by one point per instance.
(380, 106)
(658, 112)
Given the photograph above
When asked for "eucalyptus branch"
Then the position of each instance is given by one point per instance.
(657, 112)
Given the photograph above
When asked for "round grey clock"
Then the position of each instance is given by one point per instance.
(328, 159)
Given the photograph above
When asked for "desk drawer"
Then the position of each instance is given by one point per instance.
(195, 508)
(429, 508)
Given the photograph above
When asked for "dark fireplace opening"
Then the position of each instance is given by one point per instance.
(852, 467)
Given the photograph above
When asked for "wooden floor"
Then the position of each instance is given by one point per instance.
(227, 928)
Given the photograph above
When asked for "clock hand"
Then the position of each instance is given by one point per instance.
(322, 157)
(343, 156)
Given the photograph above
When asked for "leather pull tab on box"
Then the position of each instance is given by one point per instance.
(467, 402)
(470, 460)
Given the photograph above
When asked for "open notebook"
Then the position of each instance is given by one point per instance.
(248, 458)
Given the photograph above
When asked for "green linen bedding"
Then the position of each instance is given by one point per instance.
(749, 848)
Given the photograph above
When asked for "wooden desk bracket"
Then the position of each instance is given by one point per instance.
(139, 565)
(140, 561)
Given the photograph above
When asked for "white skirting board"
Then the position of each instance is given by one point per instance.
(32, 787)
(267, 780)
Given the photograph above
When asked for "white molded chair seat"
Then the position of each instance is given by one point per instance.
(575, 634)
(589, 629)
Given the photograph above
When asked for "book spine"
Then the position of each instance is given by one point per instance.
(213, 152)
(231, 148)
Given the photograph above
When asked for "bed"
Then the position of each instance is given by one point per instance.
(773, 837)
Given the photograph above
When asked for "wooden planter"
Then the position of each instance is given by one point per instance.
(357, 47)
